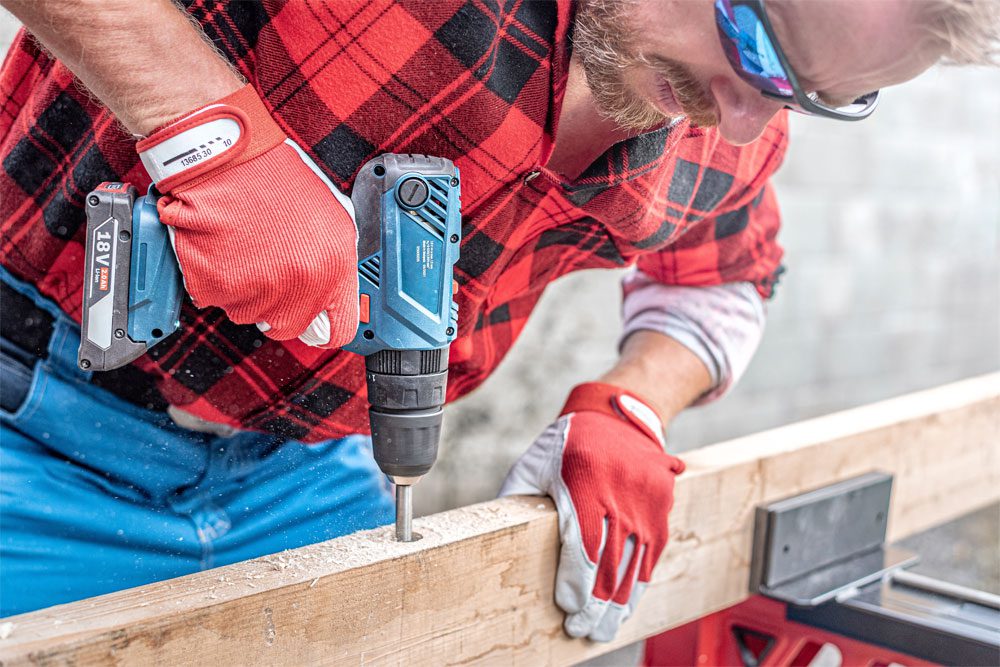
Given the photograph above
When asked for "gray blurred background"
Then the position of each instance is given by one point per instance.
(892, 248)
(892, 238)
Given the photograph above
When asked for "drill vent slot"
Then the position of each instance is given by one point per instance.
(387, 362)
(435, 209)
(430, 362)
(408, 362)
(371, 269)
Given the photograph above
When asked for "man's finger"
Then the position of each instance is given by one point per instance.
(576, 574)
(532, 473)
(628, 570)
(318, 332)
(627, 596)
(607, 625)
(633, 601)
(583, 622)
(610, 559)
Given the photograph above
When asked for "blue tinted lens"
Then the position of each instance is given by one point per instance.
(749, 49)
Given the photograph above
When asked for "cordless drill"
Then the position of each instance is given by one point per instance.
(409, 227)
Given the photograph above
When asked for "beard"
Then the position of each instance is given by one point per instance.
(603, 39)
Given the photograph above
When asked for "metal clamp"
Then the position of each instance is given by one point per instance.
(811, 547)
(824, 554)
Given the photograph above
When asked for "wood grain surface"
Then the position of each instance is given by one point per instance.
(478, 589)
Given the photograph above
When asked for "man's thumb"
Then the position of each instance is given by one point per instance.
(535, 471)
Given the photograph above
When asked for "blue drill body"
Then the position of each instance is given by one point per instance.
(407, 209)
(155, 286)
(407, 280)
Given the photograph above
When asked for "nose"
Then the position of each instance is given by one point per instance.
(743, 111)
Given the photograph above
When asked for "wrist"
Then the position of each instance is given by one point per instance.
(230, 130)
(667, 373)
(617, 402)
(144, 117)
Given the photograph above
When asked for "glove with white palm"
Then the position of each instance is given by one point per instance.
(604, 465)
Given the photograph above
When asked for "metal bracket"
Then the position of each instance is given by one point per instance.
(824, 554)
(811, 547)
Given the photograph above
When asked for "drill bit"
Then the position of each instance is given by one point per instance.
(404, 513)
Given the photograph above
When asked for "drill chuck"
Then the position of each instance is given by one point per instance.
(406, 390)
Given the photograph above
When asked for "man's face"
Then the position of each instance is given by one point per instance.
(648, 61)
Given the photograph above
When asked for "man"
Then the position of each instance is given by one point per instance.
(598, 135)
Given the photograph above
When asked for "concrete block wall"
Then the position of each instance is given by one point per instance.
(892, 235)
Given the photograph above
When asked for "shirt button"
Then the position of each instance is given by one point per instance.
(530, 176)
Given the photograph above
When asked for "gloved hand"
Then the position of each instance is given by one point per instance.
(258, 230)
(603, 464)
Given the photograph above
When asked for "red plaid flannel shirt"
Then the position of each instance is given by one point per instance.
(476, 81)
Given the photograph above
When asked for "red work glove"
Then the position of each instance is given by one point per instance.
(603, 464)
(258, 230)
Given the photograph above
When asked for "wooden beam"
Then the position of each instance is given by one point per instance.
(479, 586)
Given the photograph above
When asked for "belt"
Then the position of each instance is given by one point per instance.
(25, 332)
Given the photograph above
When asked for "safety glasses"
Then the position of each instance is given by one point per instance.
(755, 54)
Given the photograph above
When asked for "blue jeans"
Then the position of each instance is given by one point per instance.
(97, 494)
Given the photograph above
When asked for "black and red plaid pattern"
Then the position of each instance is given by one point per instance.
(475, 81)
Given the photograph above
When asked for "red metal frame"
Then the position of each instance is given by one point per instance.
(755, 632)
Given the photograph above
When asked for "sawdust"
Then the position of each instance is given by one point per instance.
(6, 630)
(379, 544)
(307, 565)
(270, 632)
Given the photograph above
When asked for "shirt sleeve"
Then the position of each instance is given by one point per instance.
(722, 324)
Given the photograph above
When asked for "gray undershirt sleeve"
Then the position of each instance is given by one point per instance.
(722, 324)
